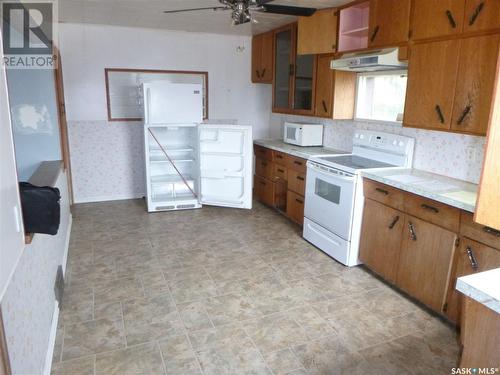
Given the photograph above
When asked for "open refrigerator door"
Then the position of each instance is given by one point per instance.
(226, 157)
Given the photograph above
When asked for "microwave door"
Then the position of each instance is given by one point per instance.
(329, 201)
(292, 134)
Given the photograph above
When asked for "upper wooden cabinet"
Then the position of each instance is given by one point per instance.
(335, 91)
(294, 75)
(450, 84)
(442, 18)
(436, 18)
(389, 22)
(474, 84)
(432, 72)
(318, 33)
(481, 15)
(262, 58)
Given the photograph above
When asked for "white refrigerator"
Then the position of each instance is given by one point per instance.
(189, 163)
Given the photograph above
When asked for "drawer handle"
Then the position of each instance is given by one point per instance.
(472, 258)
(492, 231)
(299, 201)
(430, 208)
(279, 156)
(264, 164)
(281, 170)
(464, 114)
(440, 114)
(297, 162)
(474, 15)
(258, 74)
(263, 74)
(411, 228)
(300, 178)
(385, 192)
(325, 108)
(451, 19)
(374, 33)
(394, 222)
(263, 183)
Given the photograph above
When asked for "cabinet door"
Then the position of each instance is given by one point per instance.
(295, 207)
(324, 87)
(436, 18)
(283, 69)
(425, 261)
(303, 84)
(264, 190)
(472, 257)
(264, 168)
(474, 88)
(266, 58)
(381, 239)
(389, 22)
(318, 33)
(482, 15)
(432, 73)
(257, 41)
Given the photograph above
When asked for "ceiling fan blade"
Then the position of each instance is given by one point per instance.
(287, 10)
(194, 9)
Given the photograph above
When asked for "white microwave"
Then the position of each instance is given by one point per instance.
(303, 134)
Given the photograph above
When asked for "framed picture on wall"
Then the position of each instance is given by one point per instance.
(124, 94)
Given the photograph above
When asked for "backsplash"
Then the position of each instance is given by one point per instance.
(454, 155)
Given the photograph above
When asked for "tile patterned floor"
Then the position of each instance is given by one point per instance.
(223, 291)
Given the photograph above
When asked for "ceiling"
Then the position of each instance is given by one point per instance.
(149, 13)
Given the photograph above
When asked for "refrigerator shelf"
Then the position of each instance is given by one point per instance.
(187, 148)
(170, 178)
(214, 153)
(163, 159)
(157, 198)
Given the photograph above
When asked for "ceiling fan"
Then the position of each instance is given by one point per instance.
(240, 9)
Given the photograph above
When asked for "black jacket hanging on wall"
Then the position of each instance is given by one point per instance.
(41, 208)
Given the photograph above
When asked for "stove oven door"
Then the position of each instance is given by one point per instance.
(330, 199)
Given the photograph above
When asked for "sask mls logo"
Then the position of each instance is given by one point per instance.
(28, 30)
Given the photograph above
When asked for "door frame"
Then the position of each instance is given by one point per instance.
(4, 353)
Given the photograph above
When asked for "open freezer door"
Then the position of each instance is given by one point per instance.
(226, 165)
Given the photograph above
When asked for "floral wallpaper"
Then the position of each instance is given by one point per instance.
(107, 160)
(454, 155)
(28, 304)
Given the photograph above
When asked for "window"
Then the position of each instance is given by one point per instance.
(381, 96)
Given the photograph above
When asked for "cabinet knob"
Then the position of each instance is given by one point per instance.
(325, 108)
(394, 222)
(413, 234)
(257, 72)
(464, 114)
(440, 114)
(374, 33)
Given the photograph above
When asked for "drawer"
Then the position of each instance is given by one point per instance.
(263, 152)
(478, 232)
(264, 190)
(384, 194)
(280, 157)
(295, 163)
(264, 168)
(435, 212)
(297, 182)
(295, 207)
(280, 172)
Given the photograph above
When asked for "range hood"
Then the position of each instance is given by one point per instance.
(385, 59)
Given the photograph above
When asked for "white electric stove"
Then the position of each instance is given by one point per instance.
(334, 192)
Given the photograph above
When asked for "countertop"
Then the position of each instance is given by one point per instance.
(301, 152)
(483, 287)
(447, 190)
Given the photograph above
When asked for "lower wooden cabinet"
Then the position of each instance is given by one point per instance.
(425, 261)
(264, 190)
(295, 207)
(381, 239)
(471, 257)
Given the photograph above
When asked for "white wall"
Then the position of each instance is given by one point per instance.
(29, 301)
(11, 227)
(438, 152)
(107, 158)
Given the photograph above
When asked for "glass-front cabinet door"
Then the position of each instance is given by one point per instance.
(283, 64)
(294, 75)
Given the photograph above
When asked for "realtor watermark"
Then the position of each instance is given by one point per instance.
(29, 29)
(474, 371)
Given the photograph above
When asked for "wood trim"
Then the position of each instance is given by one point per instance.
(4, 352)
(129, 70)
(63, 124)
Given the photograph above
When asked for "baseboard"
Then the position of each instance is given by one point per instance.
(107, 198)
(52, 340)
(66, 244)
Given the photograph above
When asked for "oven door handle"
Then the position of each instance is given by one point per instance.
(331, 175)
